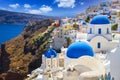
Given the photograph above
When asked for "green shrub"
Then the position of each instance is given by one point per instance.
(114, 26)
(87, 19)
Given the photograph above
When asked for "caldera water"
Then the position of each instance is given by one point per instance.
(9, 31)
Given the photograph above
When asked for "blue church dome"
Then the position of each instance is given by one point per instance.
(100, 19)
(84, 23)
(78, 49)
(50, 53)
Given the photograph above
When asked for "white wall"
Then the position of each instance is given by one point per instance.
(115, 64)
(99, 39)
(103, 31)
(72, 34)
(114, 20)
(86, 61)
(84, 29)
(70, 75)
(105, 44)
(59, 39)
(58, 43)
(113, 44)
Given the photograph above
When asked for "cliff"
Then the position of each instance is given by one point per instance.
(22, 54)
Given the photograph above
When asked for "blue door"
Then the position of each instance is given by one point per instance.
(99, 31)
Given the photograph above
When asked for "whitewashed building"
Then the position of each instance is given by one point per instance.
(58, 38)
(100, 35)
(115, 64)
(74, 63)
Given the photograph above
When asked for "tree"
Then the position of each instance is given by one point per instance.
(102, 78)
(114, 27)
(76, 27)
(87, 19)
(68, 40)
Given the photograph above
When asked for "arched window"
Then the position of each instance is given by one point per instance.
(99, 45)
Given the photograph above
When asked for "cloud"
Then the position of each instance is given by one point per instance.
(14, 5)
(66, 3)
(81, 3)
(27, 6)
(35, 11)
(45, 9)
(42, 9)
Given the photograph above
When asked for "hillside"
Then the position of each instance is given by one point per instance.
(18, 18)
(22, 54)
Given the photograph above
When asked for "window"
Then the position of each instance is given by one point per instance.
(90, 30)
(107, 30)
(99, 31)
(99, 45)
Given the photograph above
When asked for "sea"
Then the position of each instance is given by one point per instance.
(10, 31)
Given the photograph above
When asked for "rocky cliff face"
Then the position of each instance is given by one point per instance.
(23, 54)
(4, 59)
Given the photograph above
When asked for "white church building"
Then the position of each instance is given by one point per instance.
(100, 35)
(75, 63)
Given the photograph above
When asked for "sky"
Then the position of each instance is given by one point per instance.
(48, 7)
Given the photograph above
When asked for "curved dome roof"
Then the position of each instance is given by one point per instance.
(50, 53)
(84, 23)
(100, 19)
(78, 49)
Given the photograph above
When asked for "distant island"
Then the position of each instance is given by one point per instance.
(9, 17)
